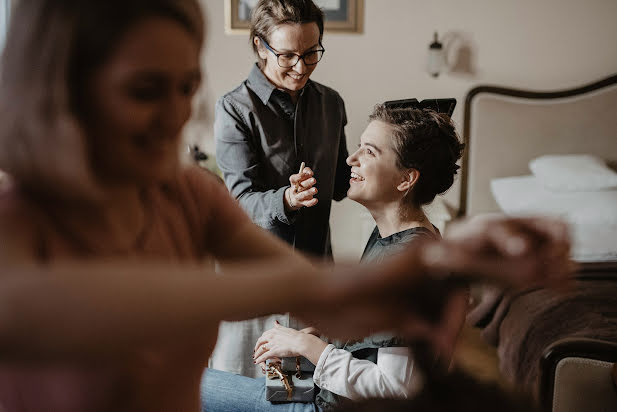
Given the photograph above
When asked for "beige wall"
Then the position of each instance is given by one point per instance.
(533, 44)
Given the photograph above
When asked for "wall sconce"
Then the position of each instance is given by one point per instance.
(436, 58)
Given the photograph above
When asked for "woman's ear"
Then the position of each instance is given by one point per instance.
(408, 180)
(261, 50)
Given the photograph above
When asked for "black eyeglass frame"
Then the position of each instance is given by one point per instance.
(299, 56)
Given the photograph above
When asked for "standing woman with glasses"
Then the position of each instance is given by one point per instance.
(265, 129)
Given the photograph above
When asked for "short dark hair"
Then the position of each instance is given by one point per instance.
(270, 13)
(426, 141)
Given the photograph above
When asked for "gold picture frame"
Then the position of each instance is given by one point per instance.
(342, 16)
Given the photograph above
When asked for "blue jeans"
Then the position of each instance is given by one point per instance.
(224, 391)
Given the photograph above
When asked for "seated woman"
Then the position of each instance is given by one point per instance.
(406, 157)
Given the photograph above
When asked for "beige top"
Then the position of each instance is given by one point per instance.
(183, 218)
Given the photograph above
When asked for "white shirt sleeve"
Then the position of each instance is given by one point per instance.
(391, 377)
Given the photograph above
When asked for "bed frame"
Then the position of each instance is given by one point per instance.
(503, 130)
(575, 375)
(506, 128)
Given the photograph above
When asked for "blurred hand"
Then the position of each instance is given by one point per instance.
(521, 252)
(419, 292)
(302, 191)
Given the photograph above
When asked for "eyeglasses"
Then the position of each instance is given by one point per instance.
(287, 60)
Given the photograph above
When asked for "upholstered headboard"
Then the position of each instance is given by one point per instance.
(506, 128)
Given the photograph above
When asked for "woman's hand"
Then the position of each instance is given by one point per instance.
(311, 330)
(302, 191)
(281, 342)
(520, 252)
(415, 292)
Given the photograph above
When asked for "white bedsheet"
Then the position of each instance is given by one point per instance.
(592, 215)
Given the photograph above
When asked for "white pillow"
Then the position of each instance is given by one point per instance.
(573, 173)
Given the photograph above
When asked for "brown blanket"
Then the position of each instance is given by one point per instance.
(522, 325)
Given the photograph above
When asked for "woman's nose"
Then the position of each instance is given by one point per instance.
(352, 158)
(176, 112)
(300, 67)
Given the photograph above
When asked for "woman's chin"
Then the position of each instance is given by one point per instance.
(352, 195)
(296, 85)
(160, 173)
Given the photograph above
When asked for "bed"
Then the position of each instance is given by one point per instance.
(504, 130)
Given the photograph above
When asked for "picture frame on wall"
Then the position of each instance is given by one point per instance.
(343, 16)
(5, 13)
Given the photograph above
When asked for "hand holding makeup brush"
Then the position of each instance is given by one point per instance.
(302, 190)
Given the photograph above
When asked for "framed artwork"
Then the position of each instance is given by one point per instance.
(341, 15)
(5, 12)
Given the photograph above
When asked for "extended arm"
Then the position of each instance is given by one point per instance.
(391, 377)
(238, 157)
(96, 308)
(92, 308)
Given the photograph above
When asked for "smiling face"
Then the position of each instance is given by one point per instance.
(375, 177)
(285, 39)
(138, 101)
